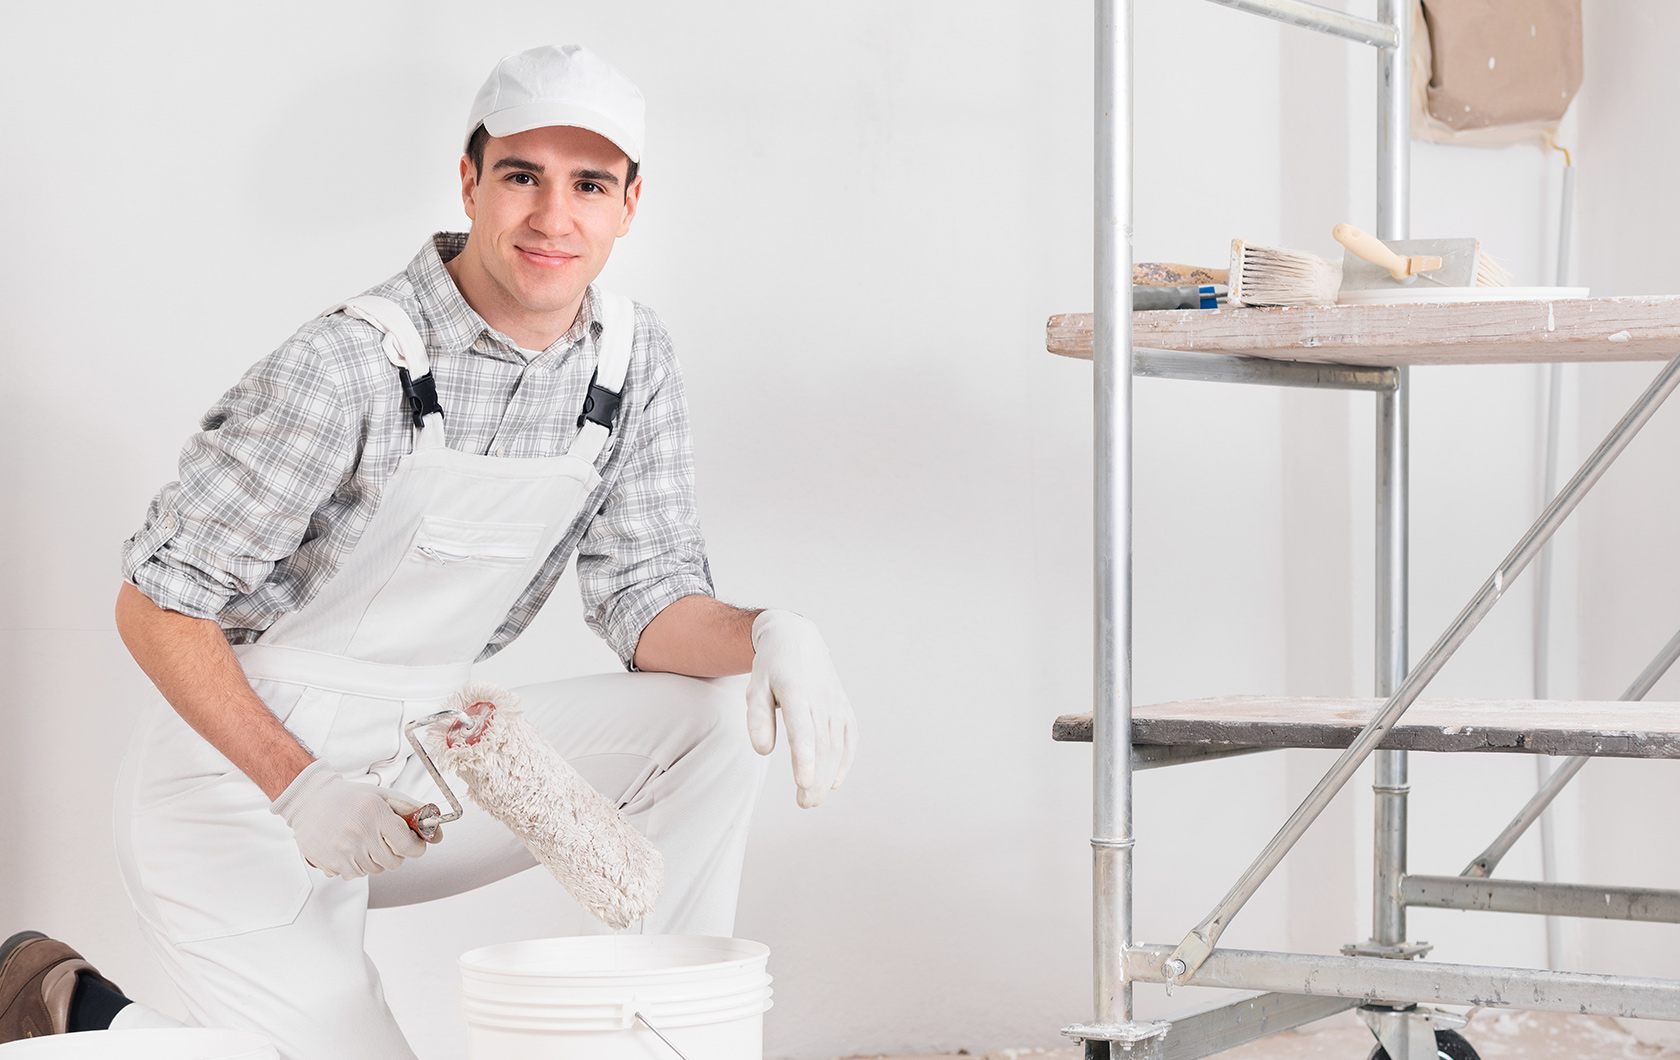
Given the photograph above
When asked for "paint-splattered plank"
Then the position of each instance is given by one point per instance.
(1643, 328)
(1612, 729)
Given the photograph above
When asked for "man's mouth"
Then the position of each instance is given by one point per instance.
(546, 259)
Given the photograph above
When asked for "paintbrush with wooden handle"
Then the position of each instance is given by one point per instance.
(1167, 274)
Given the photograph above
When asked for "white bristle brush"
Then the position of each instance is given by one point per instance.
(1489, 273)
(581, 838)
(1263, 276)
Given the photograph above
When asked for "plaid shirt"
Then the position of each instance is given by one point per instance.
(287, 469)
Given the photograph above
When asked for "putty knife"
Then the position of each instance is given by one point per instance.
(1373, 264)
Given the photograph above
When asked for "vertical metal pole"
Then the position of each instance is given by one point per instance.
(1394, 123)
(1543, 569)
(1111, 841)
(1388, 920)
(1543, 566)
(1543, 647)
(1549, 461)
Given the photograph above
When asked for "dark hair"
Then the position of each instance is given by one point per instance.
(481, 136)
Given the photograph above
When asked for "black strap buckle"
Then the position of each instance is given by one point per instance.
(422, 396)
(600, 405)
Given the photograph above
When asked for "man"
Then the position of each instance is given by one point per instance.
(387, 498)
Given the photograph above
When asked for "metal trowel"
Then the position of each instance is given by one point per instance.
(1370, 264)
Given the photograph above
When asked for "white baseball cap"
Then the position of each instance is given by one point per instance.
(565, 85)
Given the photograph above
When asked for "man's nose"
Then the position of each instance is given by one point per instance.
(552, 215)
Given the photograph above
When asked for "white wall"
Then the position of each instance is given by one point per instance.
(1630, 576)
(857, 218)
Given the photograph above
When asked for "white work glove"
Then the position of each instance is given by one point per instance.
(346, 829)
(792, 671)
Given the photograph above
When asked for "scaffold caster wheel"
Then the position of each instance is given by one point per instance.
(1449, 1045)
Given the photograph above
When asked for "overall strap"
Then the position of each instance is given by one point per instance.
(403, 347)
(600, 406)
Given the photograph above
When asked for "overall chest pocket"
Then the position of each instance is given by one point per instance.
(448, 593)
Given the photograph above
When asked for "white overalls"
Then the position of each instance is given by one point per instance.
(254, 937)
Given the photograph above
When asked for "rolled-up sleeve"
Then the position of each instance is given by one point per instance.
(643, 550)
(266, 457)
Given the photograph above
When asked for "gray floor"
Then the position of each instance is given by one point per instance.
(1496, 1036)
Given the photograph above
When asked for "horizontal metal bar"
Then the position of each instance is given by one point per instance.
(1543, 899)
(1321, 19)
(1226, 1024)
(1154, 756)
(1261, 371)
(1488, 859)
(1376, 979)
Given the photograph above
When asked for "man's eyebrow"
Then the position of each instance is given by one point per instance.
(600, 176)
(518, 163)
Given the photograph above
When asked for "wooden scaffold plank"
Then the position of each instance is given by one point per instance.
(1642, 328)
(1611, 729)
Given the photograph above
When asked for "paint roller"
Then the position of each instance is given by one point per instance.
(516, 777)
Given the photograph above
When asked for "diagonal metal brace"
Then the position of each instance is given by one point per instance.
(1488, 859)
(1196, 946)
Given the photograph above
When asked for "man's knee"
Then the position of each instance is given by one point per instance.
(713, 711)
(712, 717)
(674, 720)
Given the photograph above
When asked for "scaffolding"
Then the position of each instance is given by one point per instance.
(1367, 348)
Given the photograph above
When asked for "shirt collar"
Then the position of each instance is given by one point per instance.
(454, 325)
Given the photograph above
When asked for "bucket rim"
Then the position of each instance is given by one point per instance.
(551, 1023)
(668, 1006)
(476, 960)
(541, 992)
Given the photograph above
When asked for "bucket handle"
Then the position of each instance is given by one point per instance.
(662, 1037)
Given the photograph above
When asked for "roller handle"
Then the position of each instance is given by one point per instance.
(425, 821)
(1375, 251)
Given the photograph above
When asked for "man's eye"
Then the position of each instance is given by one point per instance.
(522, 178)
(590, 187)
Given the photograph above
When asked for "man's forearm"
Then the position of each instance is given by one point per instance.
(700, 637)
(190, 662)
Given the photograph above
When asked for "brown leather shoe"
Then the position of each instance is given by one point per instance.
(37, 979)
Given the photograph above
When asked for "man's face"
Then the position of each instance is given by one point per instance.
(545, 213)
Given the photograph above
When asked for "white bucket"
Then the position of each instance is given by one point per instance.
(578, 997)
(174, 1043)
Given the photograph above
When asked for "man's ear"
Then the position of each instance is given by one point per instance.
(632, 197)
(469, 187)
